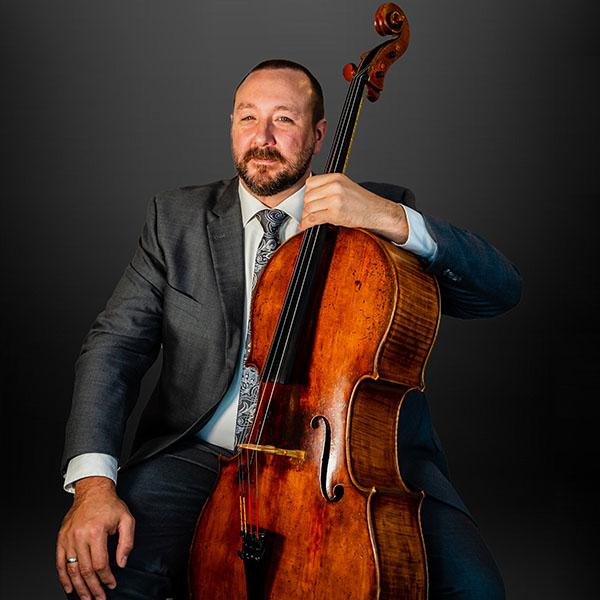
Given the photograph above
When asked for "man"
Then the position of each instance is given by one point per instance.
(187, 289)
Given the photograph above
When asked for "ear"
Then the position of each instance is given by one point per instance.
(320, 130)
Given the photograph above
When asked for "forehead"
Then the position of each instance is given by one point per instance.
(273, 89)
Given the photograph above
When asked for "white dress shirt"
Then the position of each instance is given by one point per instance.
(220, 429)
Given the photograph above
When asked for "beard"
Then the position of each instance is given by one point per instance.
(262, 182)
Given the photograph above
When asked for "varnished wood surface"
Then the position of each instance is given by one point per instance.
(368, 533)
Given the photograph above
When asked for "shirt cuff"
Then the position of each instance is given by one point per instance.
(90, 464)
(419, 240)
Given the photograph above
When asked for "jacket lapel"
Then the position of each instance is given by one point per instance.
(226, 239)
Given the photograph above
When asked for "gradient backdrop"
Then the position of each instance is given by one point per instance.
(491, 118)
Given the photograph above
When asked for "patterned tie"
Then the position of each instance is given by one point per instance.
(271, 221)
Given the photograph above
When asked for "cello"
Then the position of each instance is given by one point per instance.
(313, 504)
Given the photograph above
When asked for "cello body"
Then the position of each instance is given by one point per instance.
(342, 523)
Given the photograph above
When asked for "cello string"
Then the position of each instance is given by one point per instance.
(252, 456)
(308, 247)
(310, 243)
(346, 124)
(334, 159)
(342, 130)
(357, 98)
(247, 456)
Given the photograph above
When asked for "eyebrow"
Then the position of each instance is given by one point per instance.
(244, 105)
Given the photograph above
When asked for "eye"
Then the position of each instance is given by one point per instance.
(247, 118)
(284, 119)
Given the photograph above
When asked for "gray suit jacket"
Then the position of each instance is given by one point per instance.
(184, 290)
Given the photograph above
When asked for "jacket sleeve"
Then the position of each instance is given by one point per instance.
(476, 280)
(120, 347)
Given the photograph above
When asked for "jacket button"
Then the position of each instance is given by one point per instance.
(451, 275)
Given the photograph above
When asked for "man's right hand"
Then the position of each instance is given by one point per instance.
(97, 512)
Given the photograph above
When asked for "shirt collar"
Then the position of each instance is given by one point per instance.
(250, 205)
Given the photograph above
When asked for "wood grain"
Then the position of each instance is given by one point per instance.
(374, 329)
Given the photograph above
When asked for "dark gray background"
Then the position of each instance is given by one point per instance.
(491, 118)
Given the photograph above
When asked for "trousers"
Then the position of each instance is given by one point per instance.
(165, 494)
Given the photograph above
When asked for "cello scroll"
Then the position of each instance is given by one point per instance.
(389, 20)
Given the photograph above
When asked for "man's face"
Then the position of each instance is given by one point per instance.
(272, 134)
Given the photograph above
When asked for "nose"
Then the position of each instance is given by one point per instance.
(263, 135)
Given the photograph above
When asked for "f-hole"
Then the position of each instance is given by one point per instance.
(337, 492)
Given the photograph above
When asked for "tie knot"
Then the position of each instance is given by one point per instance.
(271, 221)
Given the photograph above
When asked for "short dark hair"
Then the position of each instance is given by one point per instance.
(318, 105)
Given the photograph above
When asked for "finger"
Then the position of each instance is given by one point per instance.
(326, 209)
(100, 563)
(86, 570)
(316, 206)
(76, 579)
(322, 191)
(317, 181)
(326, 198)
(126, 531)
(61, 568)
(316, 218)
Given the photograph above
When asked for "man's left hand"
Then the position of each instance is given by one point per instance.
(333, 198)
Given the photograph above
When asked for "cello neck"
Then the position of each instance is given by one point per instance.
(344, 133)
(291, 341)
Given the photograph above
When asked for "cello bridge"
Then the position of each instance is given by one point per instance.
(293, 454)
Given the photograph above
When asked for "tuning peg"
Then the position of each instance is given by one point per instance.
(349, 71)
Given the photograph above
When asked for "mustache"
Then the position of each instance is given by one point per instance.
(263, 153)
